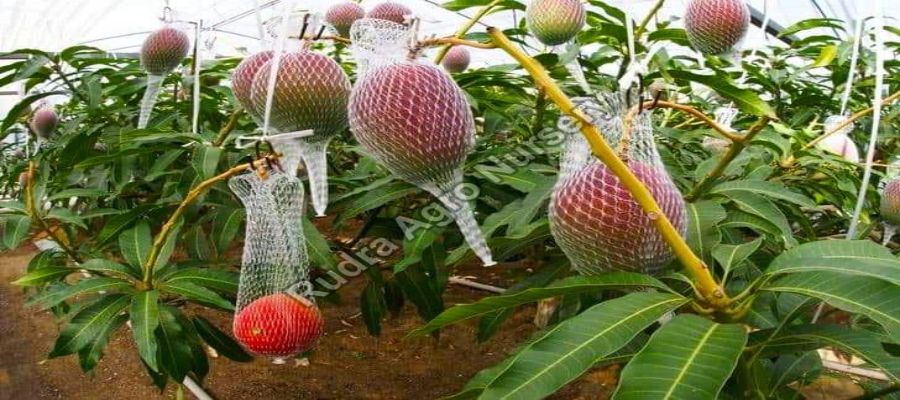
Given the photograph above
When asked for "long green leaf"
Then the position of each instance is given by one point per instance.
(568, 286)
(43, 275)
(53, 296)
(197, 294)
(856, 257)
(768, 189)
(176, 356)
(566, 351)
(216, 279)
(220, 341)
(688, 358)
(88, 324)
(144, 320)
(872, 297)
(135, 244)
(747, 100)
(110, 267)
(91, 354)
(376, 198)
(702, 231)
(15, 231)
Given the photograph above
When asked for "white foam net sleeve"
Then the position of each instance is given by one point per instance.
(594, 218)
(274, 267)
(151, 94)
(725, 117)
(377, 42)
(839, 142)
(415, 120)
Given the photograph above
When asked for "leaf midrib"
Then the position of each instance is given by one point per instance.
(690, 361)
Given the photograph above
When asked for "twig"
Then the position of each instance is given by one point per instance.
(733, 151)
(628, 121)
(850, 120)
(643, 26)
(463, 30)
(711, 291)
(69, 83)
(229, 127)
(32, 211)
(166, 230)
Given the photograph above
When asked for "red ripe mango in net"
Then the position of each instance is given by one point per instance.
(311, 92)
(242, 81)
(415, 120)
(555, 22)
(390, 11)
(161, 53)
(716, 26)
(890, 202)
(594, 218)
(279, 325)
(342, 16)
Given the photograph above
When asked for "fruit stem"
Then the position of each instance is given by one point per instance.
(32, 211)
(229, 127)
(166, 230)
(733, 151)
(711, 291)
(463, 30)
(643, 26)
(628, 121)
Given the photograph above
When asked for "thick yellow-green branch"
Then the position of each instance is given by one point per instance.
(31, 208)
(710, 290)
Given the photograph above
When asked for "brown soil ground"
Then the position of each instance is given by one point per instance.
(347, 362)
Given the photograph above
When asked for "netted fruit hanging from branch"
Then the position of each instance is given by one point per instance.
(276, 314)
(342, 16)
(555, 22)
(161, 53)
(378, 42)
(716, 26)
(594, 218)
(415, 120)
(242, 82)
(311, 93)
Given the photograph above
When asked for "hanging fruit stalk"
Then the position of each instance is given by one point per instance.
(161, 53)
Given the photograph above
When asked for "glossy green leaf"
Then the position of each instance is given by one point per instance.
(225, 228)
(730, 256)
(568, 286)
(135, 244)
(43, 275)
(219, 280)
(196, 293)
(220, 341)
(110, 267)
(16, 229)
(564, 352)
(88, 324)
(764, 188)
(89, 356)
(320, 253)
(144, 321)
(690, 357)
(176, 356)
(746, 100)
(872, 297)
(702, 231)
(53, 296)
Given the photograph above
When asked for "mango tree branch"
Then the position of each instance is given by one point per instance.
(628, 121)
(733, 151)
(890, 99)
(463, 30)
(456, 42)
(643, 26)
(167, 228)
(710, 290)
(31, 209)
(229, 127)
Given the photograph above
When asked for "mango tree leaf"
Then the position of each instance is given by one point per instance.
(135, 244)
(320, 252)
(88, 324)
(747, 100)
(854, 257)
(763, 208)
(863, 344)
(110, 267)
(225, 227)
(730, 256)
(764, 188)
(219, 280)
(689, 357)
(205, 160)
(197, 294)
(15, 230)
(564, 352)
(51, 297)
(78, 192)
(176, 356)
(144, 321)
(790, 368)
(872, 297)
(421, 290)
(373, 307)
(702, 230)
(376, 198)
(91, 354)
(43, 275)
(220, 341)
(568, 286)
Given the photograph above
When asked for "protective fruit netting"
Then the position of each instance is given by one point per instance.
(594, 218)
(724, 117)
(415, 120)
(716, 26)
(161, 53)
(276, 314)
(377, 42)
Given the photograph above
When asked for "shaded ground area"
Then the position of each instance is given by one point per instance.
(346, 364)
